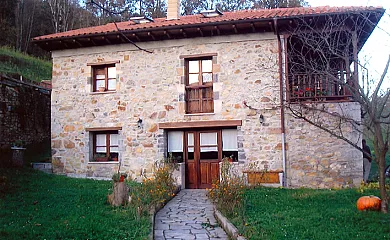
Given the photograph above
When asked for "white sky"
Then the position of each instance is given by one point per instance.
(377, 47)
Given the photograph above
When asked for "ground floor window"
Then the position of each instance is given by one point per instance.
(206, 144)
(105, 146)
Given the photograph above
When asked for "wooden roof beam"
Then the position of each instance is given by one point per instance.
(183, 32)
(151, 35)
(200, 31)
(253, 27)
(234, 28)
(166, 33)
(136, 37)
(77, 42)
(216, 28)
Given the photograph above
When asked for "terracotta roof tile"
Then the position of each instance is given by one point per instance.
(199, 19)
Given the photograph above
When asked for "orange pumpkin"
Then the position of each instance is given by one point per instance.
(369, 203)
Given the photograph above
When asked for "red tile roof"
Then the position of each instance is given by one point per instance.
(198, 19)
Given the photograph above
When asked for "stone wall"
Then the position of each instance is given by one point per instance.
(150, 87)
(24, 113)
(318, 160)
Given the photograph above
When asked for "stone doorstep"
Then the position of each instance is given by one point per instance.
(229, 228)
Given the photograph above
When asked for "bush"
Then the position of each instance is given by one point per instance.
(153, 191)
(228, 193)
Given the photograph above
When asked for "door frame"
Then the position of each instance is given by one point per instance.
(197, 161)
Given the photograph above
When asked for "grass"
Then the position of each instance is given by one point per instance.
(276, 213)
(16, 63)
(36, 205)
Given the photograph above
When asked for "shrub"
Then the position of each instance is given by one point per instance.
(227, 193)
(155, 190)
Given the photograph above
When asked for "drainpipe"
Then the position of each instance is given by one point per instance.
(276, 30)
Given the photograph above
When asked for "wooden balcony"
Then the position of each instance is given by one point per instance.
(319, 87)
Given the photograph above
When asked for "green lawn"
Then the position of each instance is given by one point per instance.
(14, 62)
(36, 205)
(276, 213)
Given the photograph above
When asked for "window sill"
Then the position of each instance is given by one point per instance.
(111, 162)
(106, 92)
(198, 114)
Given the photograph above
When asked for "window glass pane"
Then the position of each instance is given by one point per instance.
(100, 77)
(193, 78)
(208, 149)
(101, 149)
(207, 77)
(191, 149)
(100, 83)
(112, 72)
(100, 139)
(193, 66)
(175, 141)
(111, 84)
(207, 65)
(208, 138)
(190, 140)
(229, 140)
(114, 149)
(114, 140)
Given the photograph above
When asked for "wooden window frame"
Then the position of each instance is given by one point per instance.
(105, 68)
(107, 145)
(199, 86)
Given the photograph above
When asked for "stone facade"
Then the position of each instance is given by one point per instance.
(150, 87)
(316, 159)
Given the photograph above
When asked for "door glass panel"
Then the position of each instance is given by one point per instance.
(190, 143)
(208, 146)
(208, 138)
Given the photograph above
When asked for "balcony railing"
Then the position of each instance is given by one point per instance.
(319, 87)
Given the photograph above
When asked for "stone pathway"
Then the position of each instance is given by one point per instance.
(189, 215)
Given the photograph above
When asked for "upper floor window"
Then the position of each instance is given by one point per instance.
(199, 85)
(104, 78)
(105, 146)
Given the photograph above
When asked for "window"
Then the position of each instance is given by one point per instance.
(105, 146)
(229, 143)
(175, 145)
(104, 78)
(199, 86)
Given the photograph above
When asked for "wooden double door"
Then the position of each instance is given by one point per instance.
(202, 152)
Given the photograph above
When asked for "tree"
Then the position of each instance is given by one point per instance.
(323, 65)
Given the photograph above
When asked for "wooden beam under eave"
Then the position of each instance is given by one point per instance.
(183, 32)
(92, 41)
(234, 28)
(218, 32)
(253, 27)
(200, 124)
(77, 42)
(121, 38)
(167, 34)
(151, 35)
(200, 31)
(63, 43)
(107, 40)
(136, 37)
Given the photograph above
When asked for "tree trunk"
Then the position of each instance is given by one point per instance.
(120, 196)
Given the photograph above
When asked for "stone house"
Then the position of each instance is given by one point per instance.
(198, 88)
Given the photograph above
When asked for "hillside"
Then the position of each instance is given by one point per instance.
(14, 63)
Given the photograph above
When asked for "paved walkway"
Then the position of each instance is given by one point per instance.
(189, 215)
